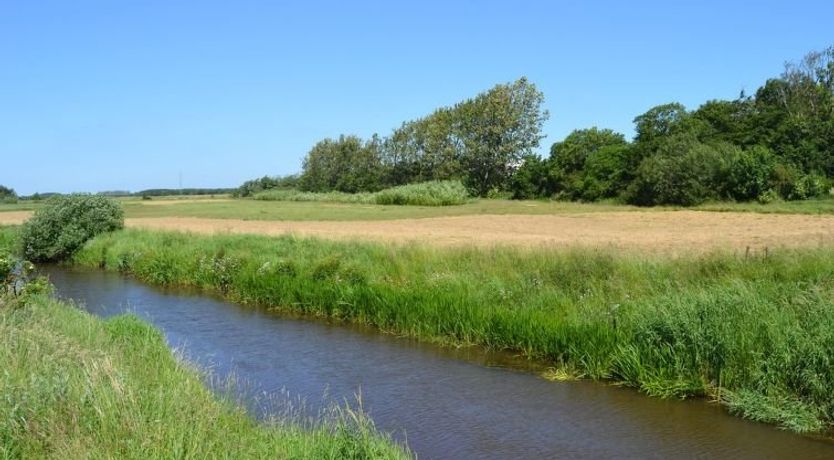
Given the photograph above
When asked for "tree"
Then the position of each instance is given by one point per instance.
(685, 173)
(660, 121)
(728, 121)
(571, 154)
(482, 140)
(532, 179)
(346, 165)
(423, 150)
(65, 223)
(569, 157)
(7, 195)
(498, 129)
(605, 174)
(254, 186)
(749, 173)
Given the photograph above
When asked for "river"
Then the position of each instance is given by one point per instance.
(445, 403)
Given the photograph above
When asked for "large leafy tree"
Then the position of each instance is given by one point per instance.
(569, 160)
(498, 129)
(660, 122)
(347, 165)
(481, 141)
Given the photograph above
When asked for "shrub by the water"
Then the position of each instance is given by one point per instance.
(65, 223)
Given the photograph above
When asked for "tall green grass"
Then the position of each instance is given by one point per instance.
(74, 386)
(754, 332)
(434, 193)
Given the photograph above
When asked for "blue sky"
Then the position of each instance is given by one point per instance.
(129, 94)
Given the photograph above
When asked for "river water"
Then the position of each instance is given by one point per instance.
(445, 403)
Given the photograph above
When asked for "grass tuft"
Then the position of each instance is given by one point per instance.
(75, 386)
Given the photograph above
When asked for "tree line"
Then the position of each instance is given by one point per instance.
(480, 141)
(777, 143)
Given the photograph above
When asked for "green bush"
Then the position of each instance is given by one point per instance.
(65, 223)
(605, 172)
(792, 184)
(748, 174)
(686, 177)
(7, 195)
(532, 180)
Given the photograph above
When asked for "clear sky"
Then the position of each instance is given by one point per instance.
(129, 94)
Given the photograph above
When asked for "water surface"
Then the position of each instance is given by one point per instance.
(447, 403)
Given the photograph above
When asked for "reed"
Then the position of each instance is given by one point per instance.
(433, 193)
(755, 332)
(75, 386)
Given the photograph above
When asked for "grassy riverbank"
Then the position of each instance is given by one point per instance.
(754, 331)
(75, 386)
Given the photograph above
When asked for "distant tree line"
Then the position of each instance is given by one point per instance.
(167, 192)
(183, 191)
(142, 193)
(480, 141)
(775, 144)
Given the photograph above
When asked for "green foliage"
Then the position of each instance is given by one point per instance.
(661, 122)
(605, 173)
(532, 179)
(782, 142)
(254, 186)
(497, 130)
(18, 280)
(152, 192)
(75, 386)
(571, 154)
(7, 195)
(761, 328)
(480, 141)
(433, 193)
(580, 166)
(749, 173)
(325, 197)
(65, 223)
(791, 184)
(686, 173)
(345, 165)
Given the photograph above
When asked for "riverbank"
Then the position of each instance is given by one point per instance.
(76, 386)
(752, 331)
